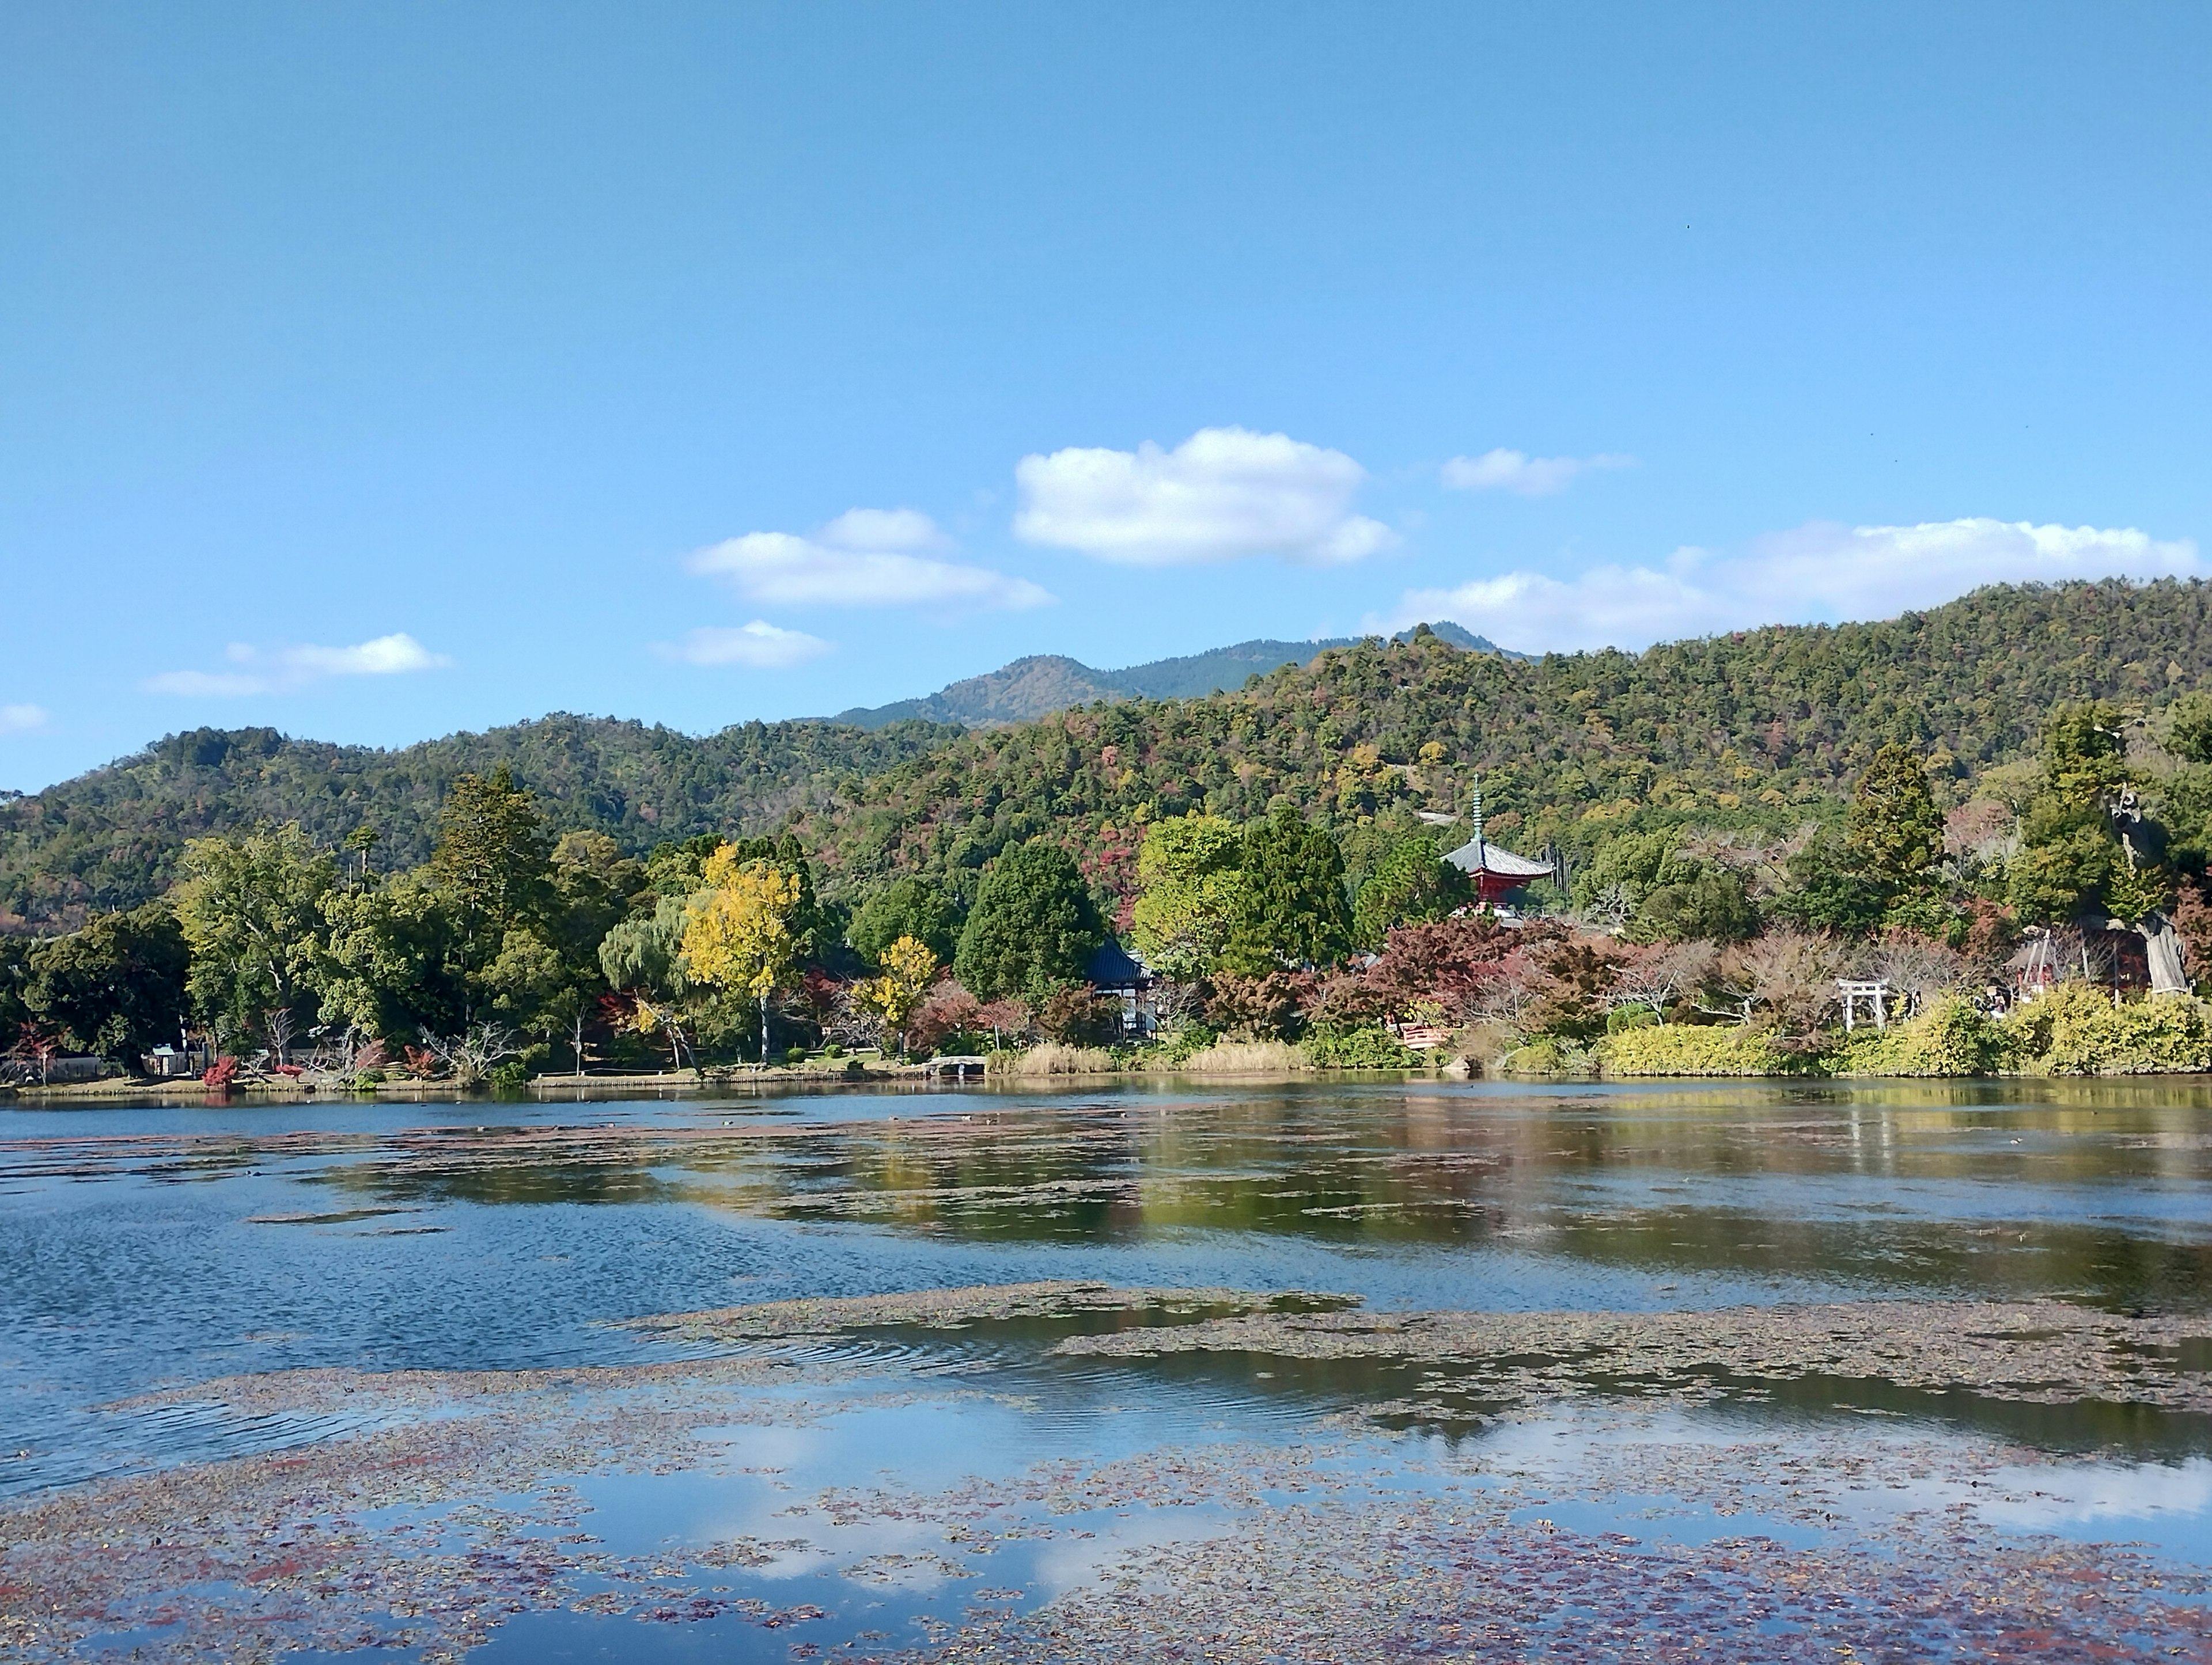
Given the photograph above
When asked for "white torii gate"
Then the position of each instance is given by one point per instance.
(1875, 995)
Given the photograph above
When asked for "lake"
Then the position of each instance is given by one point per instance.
(1184, 1371)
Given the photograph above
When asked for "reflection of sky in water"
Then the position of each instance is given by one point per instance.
(125, 1267)
(2168, 1506)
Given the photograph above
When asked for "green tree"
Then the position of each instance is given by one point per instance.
(1190, 869)
(117, 987)
(390, 959)
(1413, 883)
(594, 887)
(1894, 837)
(645, 952)
(2070, 850)
(907, 906)
(251, 909)
(1710, 905)
(15, 972)
(1827, 893)
(1033, 924)
(1293, 911)
(494, 858)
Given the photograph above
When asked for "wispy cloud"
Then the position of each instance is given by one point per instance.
(1821, 571)
(759, 646)
(866, 557)
(22, 719)
(1518, 472)
(278, 670)
(1222, 495)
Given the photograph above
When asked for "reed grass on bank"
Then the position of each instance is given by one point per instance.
(1246, 1058)
(1054, 1059)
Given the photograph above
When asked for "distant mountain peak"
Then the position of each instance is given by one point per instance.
(1034, 686)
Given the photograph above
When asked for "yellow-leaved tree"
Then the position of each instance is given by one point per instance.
(738, 937)
(908, 968)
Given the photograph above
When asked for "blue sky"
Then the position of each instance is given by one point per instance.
(375, 372)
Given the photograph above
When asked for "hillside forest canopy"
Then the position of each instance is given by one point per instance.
(1736, 824)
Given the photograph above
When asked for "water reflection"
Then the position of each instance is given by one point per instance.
(147, 1244)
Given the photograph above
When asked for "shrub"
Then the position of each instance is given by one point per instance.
(1695, 1049)
(1368, 1047)
(1550, 1054)
(1950, 1038)
(2076, 1029)
(509, 1076)
(221, 1072)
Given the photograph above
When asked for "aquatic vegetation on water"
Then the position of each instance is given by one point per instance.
(955, 1309)
(2046, 1352)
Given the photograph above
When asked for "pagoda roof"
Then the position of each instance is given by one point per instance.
(1491, 859)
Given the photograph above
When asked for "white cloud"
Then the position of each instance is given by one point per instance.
(1517, 472)
(864, 558)
(22, 719)
(1222, 494)
(759, 645)
(883, 529)
(283, 669)
(387, 656)
(1821, 571)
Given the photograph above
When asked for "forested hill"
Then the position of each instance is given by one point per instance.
(111, 838)
(1766, 728)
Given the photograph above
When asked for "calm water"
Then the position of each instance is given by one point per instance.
(150, 1248)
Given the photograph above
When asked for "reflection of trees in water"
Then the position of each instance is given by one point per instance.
(1833, 1183)
(539, 1181)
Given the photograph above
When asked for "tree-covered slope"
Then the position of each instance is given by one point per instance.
(1765, 728)
(109, 838)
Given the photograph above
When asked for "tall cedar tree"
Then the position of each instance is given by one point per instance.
(1895, 834)
(2069, 853)
(1294, 909)
(1034, 925)
(494, 858)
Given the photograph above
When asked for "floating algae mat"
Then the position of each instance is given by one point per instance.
(1287, 1374)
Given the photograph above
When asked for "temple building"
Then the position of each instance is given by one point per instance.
(1496, 872)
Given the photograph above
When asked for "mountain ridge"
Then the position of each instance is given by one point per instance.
(1757, 729)
(1038, 685)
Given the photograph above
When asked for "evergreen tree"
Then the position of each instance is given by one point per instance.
(908, 907)
(2070, 850)
(1034, 925)
(116, 987)
(1895, 837)
(494, 858)
(1412, 884)
(1293, 911)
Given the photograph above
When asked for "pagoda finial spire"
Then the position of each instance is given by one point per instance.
(1474, 814)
